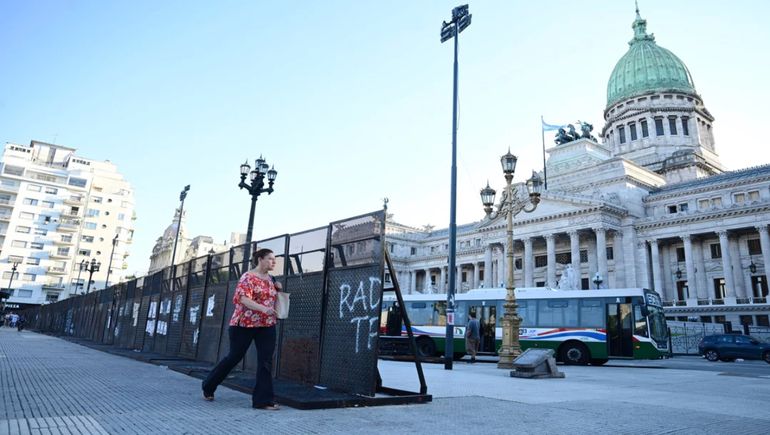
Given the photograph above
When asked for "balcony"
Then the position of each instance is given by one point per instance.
(64, 241)
(74, 200)
(5, 217)
(7, 202)
(59, 254)
(9, 189)
(68, 224)
(53, 286)
(57, 270)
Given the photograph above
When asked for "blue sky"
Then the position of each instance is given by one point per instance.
(350, 100)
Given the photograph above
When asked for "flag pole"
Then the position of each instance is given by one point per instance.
(542, 135)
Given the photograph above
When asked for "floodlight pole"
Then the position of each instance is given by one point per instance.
(459, 14)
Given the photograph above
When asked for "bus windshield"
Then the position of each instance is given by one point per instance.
(658, 330)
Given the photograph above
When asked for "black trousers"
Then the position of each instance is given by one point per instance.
(240, 340)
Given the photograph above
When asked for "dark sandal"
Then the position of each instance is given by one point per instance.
(208, 398)
(271, 407)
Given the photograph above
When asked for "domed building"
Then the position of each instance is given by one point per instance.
(654, 116)
(648, 205)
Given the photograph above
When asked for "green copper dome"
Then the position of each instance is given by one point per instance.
(647, 67)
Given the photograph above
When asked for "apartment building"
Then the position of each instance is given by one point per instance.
(58, 213)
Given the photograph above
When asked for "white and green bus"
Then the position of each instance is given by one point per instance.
(581, 326)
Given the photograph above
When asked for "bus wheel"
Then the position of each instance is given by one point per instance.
(426, 346)
(575, 353)
(598, 361)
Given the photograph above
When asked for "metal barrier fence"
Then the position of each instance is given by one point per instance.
(334, 274)
(685, 336)
(761, 332)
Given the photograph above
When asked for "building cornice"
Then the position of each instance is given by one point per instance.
(698, 216)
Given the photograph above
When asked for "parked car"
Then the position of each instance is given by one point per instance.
(728, 347)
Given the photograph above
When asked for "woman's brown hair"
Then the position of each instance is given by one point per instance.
(259, 254)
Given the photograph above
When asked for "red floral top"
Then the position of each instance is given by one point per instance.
(260, 291)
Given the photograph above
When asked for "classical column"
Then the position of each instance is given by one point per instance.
(503, 264)
(601, 253)
(699, 254)
(764, 243)
(550, 249)
(475, 283)
(738, 270)
(412, 281)
(657, 282)
(630, 257)
(643, 265)
(692, 285)
(442, 282)
(529, 263)
(459, 277)
(574, 247)
(488, 267)
(426, 284)
(619, 260)
(724, 244)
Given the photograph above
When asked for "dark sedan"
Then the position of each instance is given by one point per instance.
(728, 347)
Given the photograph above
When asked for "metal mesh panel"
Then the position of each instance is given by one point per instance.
(211, 326)
(301, 332)
(192, 320)
(164, 311)
(351, 327)
(141, 318)
(224, 342)
(176, 321)
(152, 289)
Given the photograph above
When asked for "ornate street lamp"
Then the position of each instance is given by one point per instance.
(461, 19)
(112, 254)
(91, 267)
(182, 196)
(598, 280)
(79, 285)
(678, 273)
(255, 187)
(510, 205)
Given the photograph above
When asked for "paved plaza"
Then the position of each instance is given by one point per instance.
(51, 386)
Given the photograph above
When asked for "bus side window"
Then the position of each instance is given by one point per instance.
(591, 313)
(461, 310)
(528, 313)
(640, 322)
(557, 312)
(439, 314)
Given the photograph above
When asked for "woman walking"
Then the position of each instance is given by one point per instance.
(253, 320)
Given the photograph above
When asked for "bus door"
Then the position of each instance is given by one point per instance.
(620, 330)
(487, 317)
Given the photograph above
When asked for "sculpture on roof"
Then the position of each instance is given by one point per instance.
(586, 128)
(570, 133)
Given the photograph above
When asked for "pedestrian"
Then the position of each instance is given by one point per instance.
(472, 336)
(254, 320)
(20, 322)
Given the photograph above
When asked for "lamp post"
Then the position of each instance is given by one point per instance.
(79, 284)
(91, 267)
(460, 20)
(255, 187)
(598, 280)
(510, 205)
(182, 196)
(10, 281)
(112, 254)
